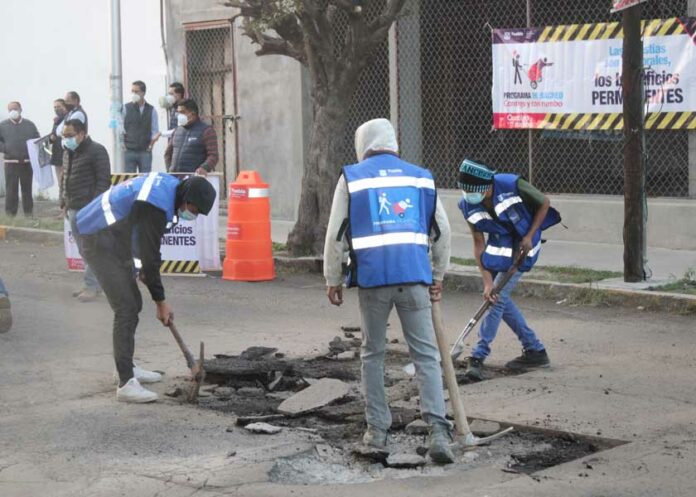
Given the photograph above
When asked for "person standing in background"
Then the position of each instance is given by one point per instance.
(14, 133)
(175, 95)
(194, 146)
(140, 130)
(75, 111)
(55, 139)
(87, 174)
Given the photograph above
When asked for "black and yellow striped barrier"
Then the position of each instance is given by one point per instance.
(609, 30)
(614, 121)
(180, 267)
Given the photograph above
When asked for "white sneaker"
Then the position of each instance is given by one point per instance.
(145, 376)
(134, 392)
(142, 375)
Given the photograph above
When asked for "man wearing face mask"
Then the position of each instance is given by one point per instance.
(14, 133)
(87, 173)
(75, 111)
(513, 214)
(121, 233)
(194, 146)
(175, 95)
(140, 130)
(56, 142)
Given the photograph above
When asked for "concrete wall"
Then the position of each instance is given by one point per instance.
(269, 91)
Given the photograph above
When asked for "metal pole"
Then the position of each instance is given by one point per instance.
(115, 119)
(530, 135)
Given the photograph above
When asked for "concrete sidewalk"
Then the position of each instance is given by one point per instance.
(665, 263)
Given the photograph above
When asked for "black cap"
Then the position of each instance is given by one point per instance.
(198, 191)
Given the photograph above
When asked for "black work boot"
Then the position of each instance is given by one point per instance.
(439, 450)
(530, 359)
(474, 369)
(375, 437)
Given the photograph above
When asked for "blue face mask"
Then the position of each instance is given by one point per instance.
(70, 143)
(187, 215)
(473, 198)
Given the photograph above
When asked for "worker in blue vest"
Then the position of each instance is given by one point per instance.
(512, 214)
(121, 232)
(386, 213)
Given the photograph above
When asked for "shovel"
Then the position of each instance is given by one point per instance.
(458, 347)
(461, 423)
(196, 367)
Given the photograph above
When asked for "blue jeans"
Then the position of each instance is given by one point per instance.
(506, 310)
(137, 161)
(91, 282)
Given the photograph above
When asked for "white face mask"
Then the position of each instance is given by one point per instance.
(15, 114)
(135, 98)
(170, 99)
(181, 119)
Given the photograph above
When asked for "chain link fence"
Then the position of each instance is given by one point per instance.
(442, 51)
(209, 81)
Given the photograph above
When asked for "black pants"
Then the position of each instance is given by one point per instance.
(17, 173)
(117, 279)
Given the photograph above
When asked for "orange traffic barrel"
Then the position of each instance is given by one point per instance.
(249, 251)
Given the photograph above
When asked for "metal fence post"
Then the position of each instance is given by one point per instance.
(530, 132)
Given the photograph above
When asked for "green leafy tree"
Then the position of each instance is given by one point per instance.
(335, 40)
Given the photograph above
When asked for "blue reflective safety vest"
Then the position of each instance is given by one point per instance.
(512, 224)
(115, 204)
(392, 206)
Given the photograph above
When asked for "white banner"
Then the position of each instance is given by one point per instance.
(40, 163)
(569, 77)
(618, 5)
(187, 241)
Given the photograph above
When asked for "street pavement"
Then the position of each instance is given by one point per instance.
(617, 373)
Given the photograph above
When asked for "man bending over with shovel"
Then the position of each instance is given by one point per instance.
(122, 231)
(513, 213)
(391, 267)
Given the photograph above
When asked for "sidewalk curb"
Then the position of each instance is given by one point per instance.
(469, 280)
(30, 235)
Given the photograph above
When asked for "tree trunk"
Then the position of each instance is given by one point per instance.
(321, 172)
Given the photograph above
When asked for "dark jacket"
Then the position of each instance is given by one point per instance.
(86, 174)
(192, 146)
(13, 138)
(137, 127)
(56, 144)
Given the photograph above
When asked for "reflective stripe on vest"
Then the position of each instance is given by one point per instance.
(512, 224)
(392, 204)
(390, 182)
(106, 208)
(389, 239)
(157, 189)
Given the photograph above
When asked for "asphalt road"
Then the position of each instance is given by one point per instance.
(617, 373)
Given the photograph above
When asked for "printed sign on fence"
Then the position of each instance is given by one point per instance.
(569, 77)
(618, 5)
(188, 247)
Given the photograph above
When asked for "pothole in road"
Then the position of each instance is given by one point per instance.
(252, 385)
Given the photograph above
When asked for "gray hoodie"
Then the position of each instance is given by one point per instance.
(373, 137)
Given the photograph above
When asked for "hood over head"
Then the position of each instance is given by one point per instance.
(377, 136)
(198, 191)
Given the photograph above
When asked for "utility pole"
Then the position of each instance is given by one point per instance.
(635, 207)
(530, 132)
(116, 83)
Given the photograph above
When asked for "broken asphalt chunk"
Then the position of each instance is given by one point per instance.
(405, 461)
(318, 395)
(263, 428)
